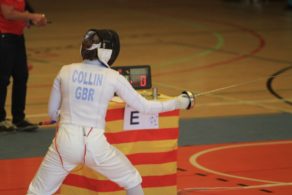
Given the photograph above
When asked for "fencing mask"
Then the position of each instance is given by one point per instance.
(103, 45)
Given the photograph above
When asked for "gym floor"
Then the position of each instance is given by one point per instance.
(234, 54)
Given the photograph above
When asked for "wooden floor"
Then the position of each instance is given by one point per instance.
(237, 57)
(237, 46)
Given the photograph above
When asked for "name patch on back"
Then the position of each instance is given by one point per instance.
(87, 82)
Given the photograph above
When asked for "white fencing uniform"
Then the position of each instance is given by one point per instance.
(80, 94)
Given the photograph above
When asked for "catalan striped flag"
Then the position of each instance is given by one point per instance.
(152, 151)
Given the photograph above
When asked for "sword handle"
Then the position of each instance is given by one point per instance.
(191, 97)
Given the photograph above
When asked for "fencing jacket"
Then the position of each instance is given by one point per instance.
(81, 93)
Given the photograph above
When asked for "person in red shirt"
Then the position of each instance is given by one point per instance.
(15, 16)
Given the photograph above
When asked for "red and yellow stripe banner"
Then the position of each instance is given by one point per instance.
(152, 151)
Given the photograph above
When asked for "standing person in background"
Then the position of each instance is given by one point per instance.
(15, 16)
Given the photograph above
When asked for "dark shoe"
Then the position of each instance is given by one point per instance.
(25, 125)
(6, 125)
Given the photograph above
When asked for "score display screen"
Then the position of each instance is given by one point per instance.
(139, 75)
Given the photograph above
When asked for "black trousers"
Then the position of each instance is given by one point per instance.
(13, 64)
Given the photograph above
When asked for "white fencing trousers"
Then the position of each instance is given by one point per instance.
(137, 190)
(71, 141)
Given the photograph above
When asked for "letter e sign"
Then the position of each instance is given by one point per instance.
(134, 120)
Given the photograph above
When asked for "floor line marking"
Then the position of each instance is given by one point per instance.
(194, 161)
(236, 187)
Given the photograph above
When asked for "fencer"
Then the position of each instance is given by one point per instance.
(79, 100)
